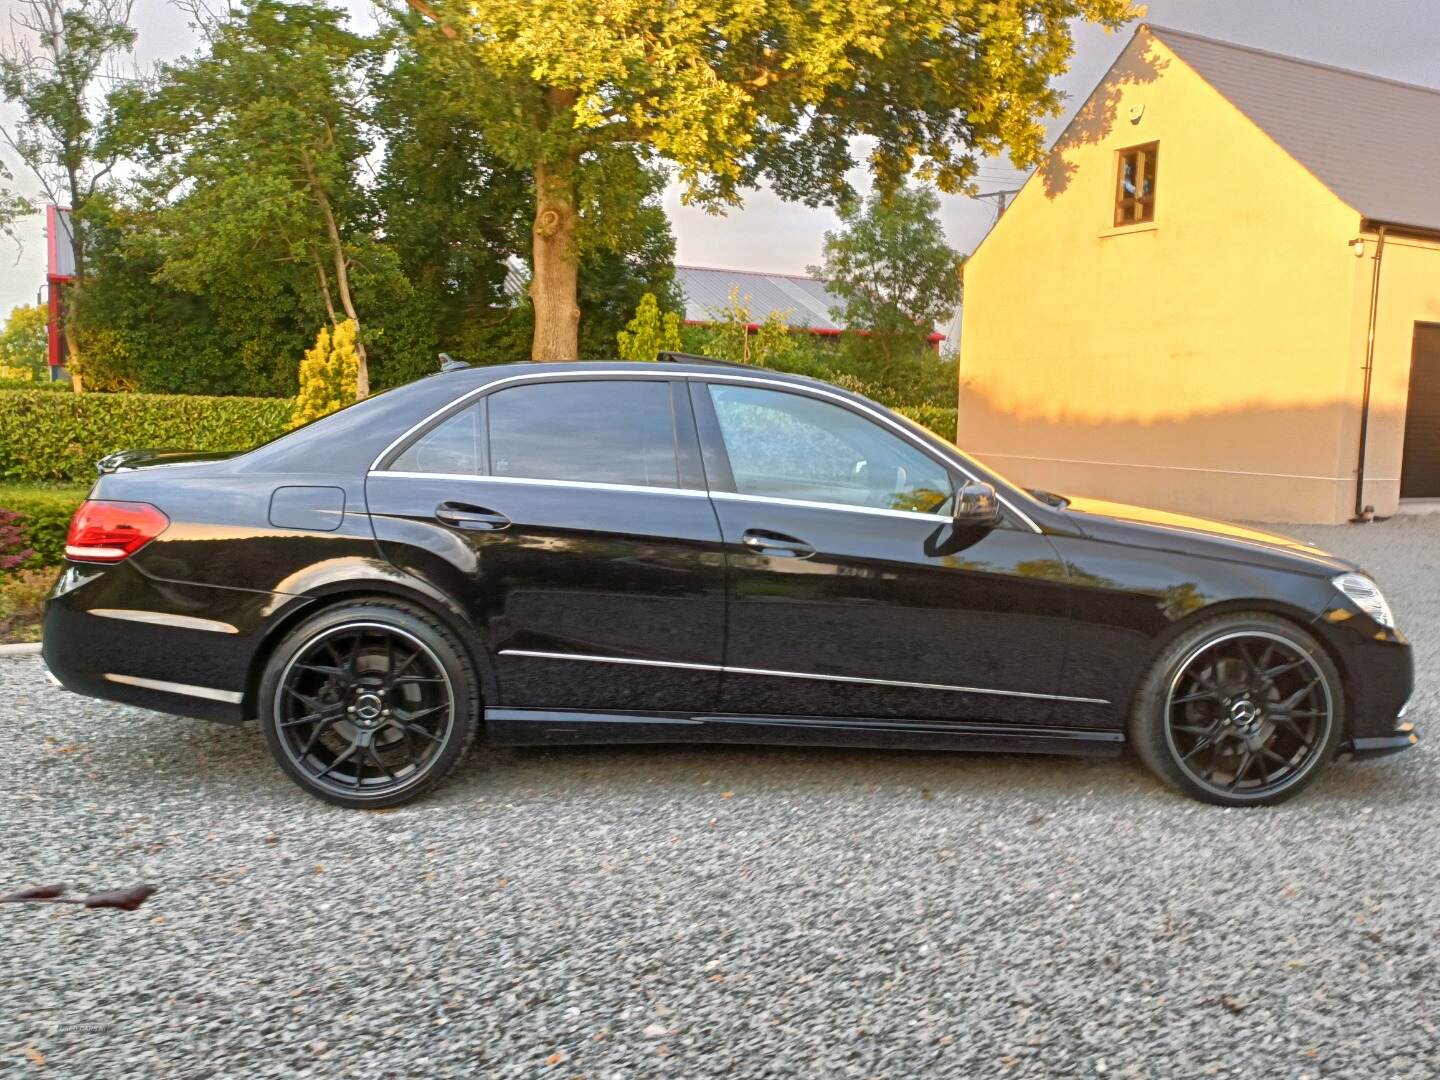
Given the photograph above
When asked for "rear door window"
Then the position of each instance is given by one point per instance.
(607, 432)
(455, 445)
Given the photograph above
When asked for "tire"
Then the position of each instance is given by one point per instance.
(369, 704)
(1236, 685)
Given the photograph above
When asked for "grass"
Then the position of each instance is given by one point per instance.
(10, 490)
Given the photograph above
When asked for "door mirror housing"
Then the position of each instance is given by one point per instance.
(976, 505)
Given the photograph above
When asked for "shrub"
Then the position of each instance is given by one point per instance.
(940, 419)
(45, 437)
(13, 545)
(650, 332)
(32, 384)
(327, 374)
(45, 514)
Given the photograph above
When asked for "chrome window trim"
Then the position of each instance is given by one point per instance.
(489, 387)
(594, 484)
(717, 376)
(781, 500)
(730, 670)
(230, 697)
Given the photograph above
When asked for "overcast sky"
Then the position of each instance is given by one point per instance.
(1396, 38)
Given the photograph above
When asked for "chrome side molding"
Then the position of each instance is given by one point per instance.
(164, 618)
(209, 693)
(729, 670)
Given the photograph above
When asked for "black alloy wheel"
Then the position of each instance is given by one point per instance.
(369, 705)
(1243, 711)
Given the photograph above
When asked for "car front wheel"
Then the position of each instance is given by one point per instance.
(369, 704)
(1240, 710)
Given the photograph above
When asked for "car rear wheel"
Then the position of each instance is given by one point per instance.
(369, 704)
(1241, 710)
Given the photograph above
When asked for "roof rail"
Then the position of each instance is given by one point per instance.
(692, 358)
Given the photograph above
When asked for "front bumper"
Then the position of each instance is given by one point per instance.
(1402, 738)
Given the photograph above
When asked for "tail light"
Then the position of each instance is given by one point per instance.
(107, 532)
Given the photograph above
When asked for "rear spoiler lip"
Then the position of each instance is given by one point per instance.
(127, 460)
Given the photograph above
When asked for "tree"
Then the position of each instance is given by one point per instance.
(327, 374)
(449, 208)
(239, 334)
(13, 205)
(23, 343)
(612, 282)
(733, 335)
(891, 268)
(650, 332)
(254, 148)
(60, 50)
(582, 94)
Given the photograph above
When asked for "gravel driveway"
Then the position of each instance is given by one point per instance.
(696, 912)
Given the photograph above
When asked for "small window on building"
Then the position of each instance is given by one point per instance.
(1135, 185)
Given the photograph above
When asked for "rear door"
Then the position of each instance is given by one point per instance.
(852, 592)
(569, 516)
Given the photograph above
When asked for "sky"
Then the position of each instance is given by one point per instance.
(1399, 39)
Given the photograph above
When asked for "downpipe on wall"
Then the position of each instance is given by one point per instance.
(1364, 512)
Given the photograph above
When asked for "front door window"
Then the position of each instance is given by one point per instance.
(792, 446)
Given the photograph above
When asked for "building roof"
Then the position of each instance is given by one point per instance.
(1374, 142)
(803, 301)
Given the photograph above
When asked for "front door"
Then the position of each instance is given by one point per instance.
(1420, 472)
(570, 517)
(852, 593)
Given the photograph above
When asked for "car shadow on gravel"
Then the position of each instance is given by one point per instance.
(196, 756)
(595, 771)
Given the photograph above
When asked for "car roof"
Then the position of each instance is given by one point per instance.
(339, 441)
(474, 377)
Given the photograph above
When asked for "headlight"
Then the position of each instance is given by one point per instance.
(1365, 594)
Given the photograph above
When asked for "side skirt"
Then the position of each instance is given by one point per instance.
(548, 727)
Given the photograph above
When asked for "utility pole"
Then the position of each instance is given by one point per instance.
(1001, 198)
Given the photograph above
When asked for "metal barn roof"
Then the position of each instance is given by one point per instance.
(804, 301)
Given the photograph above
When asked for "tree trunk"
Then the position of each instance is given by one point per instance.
(342, 280)
(324, 287)
(554, 288)
(72, 354)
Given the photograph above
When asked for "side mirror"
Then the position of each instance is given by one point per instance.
(976, 506)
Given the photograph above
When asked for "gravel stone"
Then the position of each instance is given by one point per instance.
(697, 912)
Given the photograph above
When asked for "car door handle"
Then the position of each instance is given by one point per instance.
(776, 544)
(474, 518)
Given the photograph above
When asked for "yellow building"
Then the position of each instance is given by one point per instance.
(1219, 293)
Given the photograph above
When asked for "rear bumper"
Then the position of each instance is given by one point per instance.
(113, 633)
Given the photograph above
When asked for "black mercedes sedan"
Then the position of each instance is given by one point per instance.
(692, 551)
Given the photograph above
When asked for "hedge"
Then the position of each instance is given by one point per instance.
(34, 384)
(45, 513)
(47, 438)
(938, 418)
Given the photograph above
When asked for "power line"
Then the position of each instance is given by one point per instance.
(1001, 197)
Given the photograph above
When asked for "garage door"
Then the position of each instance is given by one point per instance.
(1420, 473)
